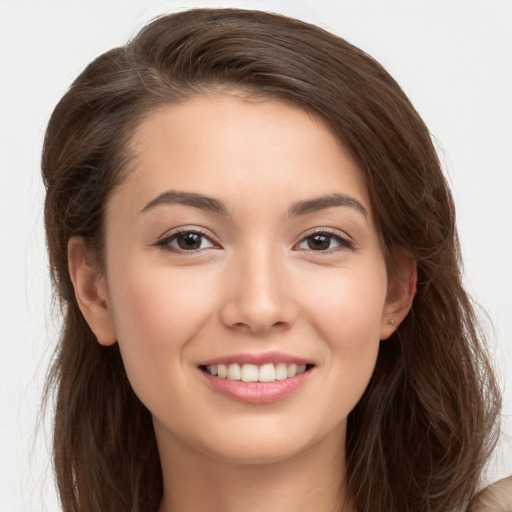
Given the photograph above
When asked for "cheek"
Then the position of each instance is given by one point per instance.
(347, 313)
(163, 306)
(347, 305)
(156, 312)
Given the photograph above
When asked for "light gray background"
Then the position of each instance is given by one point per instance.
(454, 60)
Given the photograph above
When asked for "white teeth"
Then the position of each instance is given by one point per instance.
(250, 373)
(234, 372)
(222, 371)
(267, 373)
(253, 373)
(281, 371)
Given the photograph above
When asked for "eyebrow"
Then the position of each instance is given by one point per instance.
(193, 199)
(324, 202)
(210, 204)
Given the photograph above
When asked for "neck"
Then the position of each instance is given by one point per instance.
(311, 480)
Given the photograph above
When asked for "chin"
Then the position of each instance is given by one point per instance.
(273, 444)
(258, 453)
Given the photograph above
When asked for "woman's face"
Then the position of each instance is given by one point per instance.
(243, 242)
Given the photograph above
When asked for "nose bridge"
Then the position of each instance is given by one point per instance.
(257, 297)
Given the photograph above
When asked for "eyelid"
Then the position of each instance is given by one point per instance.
(164, 240)
(344, 239)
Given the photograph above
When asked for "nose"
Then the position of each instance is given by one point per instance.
(258, 297)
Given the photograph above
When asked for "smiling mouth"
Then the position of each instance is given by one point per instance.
(253, 373)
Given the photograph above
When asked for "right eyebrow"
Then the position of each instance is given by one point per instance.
(193, 199)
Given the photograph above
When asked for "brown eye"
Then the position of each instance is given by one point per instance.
(324, 241)
(186, 241)
(189, 241)
(319, 242)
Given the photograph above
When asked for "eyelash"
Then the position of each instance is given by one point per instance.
(165, 242)
(344, 243)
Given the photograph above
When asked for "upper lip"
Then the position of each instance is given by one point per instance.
(257, 359)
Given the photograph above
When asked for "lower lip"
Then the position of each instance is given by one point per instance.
(257, 392)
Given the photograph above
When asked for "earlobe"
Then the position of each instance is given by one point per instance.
(90, 291)
(401, 292)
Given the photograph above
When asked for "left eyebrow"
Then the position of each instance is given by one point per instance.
(323, 202)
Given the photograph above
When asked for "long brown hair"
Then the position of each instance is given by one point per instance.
(419, 437)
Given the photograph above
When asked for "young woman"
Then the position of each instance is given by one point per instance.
(255, 249)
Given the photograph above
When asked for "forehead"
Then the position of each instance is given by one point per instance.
(228, 145)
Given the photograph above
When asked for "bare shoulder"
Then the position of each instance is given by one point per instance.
(495, 498)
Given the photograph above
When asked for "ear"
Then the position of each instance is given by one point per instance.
(401, 292)
(91, 291)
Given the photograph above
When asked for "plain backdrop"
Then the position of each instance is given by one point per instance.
(452, 57)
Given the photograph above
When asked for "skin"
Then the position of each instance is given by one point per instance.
(253, 285)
